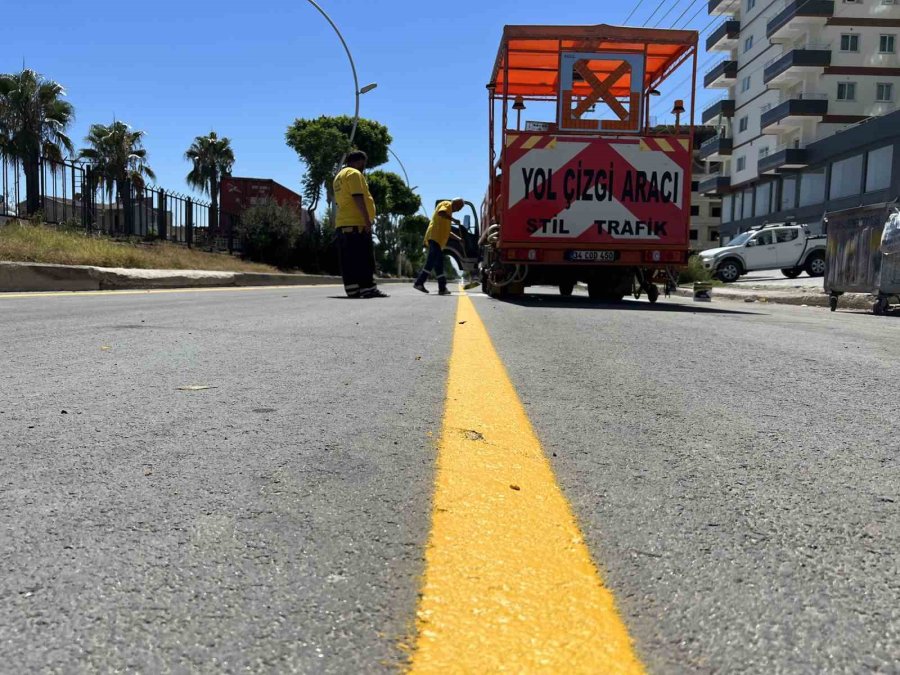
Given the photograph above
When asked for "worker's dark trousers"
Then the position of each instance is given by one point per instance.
(434, 264)
(357, 261)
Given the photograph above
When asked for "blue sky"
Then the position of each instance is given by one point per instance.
(246, 70)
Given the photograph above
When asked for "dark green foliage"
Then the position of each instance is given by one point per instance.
(320, 143)
(269, 233)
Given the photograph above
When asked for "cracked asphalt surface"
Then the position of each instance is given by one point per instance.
(735, 470)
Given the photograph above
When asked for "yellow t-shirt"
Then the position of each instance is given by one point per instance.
(439, 227)
(347, 183)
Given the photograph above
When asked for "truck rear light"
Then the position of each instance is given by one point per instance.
(529, 254)
(664, 256)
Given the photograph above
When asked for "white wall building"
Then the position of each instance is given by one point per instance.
(792, 74)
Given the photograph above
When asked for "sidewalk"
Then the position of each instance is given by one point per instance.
(779, 294)
(36, 277)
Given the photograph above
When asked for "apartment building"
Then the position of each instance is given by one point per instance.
(792, 76)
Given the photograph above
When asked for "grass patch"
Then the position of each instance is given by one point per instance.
(696, 272)
(22, 242)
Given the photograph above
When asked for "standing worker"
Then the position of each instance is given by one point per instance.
(355, 215)
(436, 238)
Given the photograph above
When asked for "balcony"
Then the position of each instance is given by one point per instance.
(790, 67)
(716, 148)
(725, 36)
(714, 185)
(720, 74)
(784, 158)
(724, 107)
(791, 114)
(723, 6)
(796, 16)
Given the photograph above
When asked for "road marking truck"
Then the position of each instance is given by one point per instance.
(594, 190)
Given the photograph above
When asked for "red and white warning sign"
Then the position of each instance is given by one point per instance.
(597, 190)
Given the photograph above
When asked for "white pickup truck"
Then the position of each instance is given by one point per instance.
(789, 248)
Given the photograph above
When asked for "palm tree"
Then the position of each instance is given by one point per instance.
(212, 159)
(33, 121)
(117, 156)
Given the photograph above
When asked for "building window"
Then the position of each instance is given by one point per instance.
(745, 84)
(695, 186)
(751, 4)
(727, 205)
(886, 44)
(788, 193)
(748, 44)
(695, 210)
(763, 195)
(884, 92)
(715, 211)
(764, 152)
(714, 235)
(747, 210)
(878, 169)
(846, 91)
(693, 235)
(845, 177)
(741, 163)
(849, 42)
(743, 123)
(812, 188)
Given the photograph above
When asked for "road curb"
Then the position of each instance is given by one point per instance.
(820, 299)
(37, 277)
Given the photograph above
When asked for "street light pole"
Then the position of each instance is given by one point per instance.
(356, 90)
(406, 177)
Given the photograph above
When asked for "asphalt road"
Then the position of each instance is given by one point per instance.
(735, 471)
(777, 279)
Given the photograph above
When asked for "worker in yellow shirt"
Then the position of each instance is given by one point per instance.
(355, 215)
(436, 238)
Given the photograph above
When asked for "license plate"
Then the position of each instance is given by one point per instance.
(592, 256)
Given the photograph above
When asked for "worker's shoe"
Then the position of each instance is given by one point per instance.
(374, 293)
(420, 287)
(444, 291)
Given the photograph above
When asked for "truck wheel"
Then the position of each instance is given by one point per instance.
(652, 293)
(815, 265)
(729, 271)
(792, 273)
(566, 288)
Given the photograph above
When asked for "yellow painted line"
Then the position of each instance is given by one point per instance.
(154, 291)
(509, 583)
(664, 144)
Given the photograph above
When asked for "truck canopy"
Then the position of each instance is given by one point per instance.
(534, 56)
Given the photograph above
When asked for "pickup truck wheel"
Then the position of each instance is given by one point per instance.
(792, 273)
(566, 288)
(815, 265)
(652, 293)
(729, 271)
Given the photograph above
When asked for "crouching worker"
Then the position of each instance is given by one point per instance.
(436, 239)
(355, 215)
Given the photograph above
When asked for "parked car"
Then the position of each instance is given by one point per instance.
(790, 248)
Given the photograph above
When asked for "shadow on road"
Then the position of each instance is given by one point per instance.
(581, 302)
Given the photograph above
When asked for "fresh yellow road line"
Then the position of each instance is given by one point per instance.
(153, 291)
(509, 583)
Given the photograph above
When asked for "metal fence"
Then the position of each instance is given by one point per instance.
(69, 194)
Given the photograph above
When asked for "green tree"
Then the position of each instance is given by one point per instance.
(393, 201)
(269, 233)
(118, 157)
(320, 143)
(33, 122)
(212, 158)
(411, 235)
